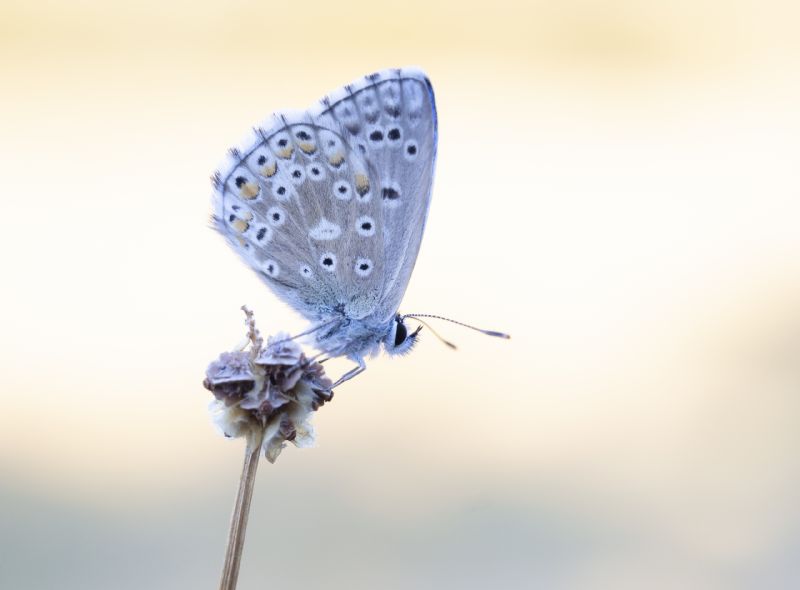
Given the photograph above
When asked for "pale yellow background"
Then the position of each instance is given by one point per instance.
(618, 187)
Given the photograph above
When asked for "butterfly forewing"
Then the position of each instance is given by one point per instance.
(391, 118)
(328, 206)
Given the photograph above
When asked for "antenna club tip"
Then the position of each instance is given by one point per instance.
(502, 335)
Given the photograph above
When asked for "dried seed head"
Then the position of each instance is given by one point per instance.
(273, 387)
(229, 378)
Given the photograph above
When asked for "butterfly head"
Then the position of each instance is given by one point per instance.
(398, 339)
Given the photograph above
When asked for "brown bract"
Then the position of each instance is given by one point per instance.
(274, 387)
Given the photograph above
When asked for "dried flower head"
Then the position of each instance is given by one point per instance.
(273, 387)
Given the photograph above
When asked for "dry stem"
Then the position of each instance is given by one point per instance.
(233, 555)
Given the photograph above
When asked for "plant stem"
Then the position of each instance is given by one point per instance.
(233, 555)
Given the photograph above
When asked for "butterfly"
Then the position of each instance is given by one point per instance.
(328, 206)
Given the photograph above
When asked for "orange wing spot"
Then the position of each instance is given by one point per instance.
(362, 184)
(307, 147)
(336, 159)
(285, 152)
(250, 190)
(240, 225)
(269, 170)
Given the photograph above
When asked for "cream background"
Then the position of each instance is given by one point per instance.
(617, 187)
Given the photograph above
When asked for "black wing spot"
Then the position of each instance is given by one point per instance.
(390, 194)
(240, 180)
(376, 136)
(262, 160)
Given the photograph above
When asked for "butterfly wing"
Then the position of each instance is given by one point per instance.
(328, 206)
(391, 119)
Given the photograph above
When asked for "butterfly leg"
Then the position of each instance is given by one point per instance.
(362, 366)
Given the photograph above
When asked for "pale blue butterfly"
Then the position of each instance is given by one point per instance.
(328, 207)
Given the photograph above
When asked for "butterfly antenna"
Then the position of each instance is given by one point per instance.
(438, 317)
(435, 333)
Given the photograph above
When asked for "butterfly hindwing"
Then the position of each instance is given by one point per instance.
(286, 203)
(328, 206)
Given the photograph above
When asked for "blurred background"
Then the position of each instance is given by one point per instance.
(617, 187)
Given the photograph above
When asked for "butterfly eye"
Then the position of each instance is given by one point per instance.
(402, 341)
(400, 333)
